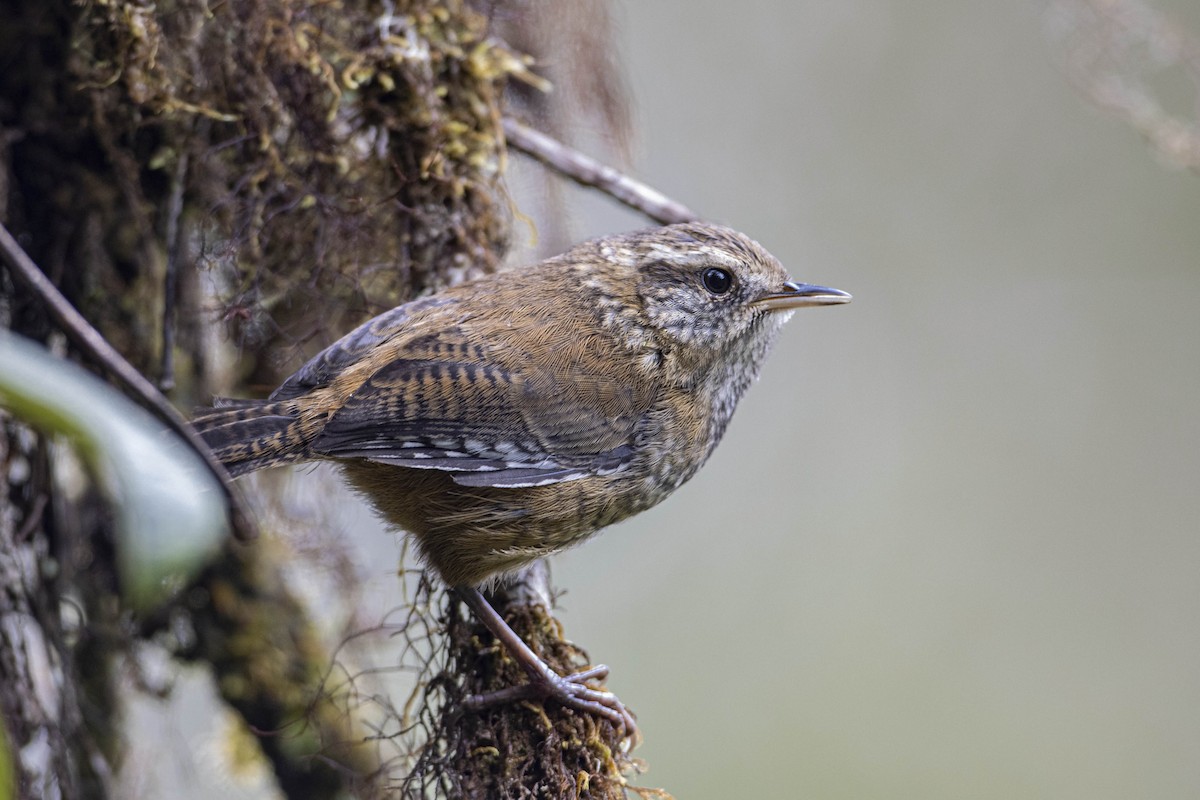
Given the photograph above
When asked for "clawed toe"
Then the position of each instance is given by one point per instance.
(544, 683)
(571, 691)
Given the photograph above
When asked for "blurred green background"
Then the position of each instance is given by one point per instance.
(950, 546)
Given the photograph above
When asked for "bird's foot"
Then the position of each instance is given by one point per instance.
(569, 690)
(544, 683)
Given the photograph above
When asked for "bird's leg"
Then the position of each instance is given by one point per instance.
(570, 690)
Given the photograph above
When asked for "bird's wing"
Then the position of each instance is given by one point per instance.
(326, 365)
(490, 419)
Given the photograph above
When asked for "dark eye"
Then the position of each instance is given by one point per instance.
(716, 280)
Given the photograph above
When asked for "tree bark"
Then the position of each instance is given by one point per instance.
(221, 189)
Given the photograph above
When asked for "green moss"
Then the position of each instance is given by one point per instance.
(343, 159)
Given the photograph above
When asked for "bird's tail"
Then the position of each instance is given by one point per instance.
(246, 435)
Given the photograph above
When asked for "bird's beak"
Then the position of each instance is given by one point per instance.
(798, 295)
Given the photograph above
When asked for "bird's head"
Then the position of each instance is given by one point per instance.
(710, 298)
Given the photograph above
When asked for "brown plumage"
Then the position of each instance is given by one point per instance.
(505, 419)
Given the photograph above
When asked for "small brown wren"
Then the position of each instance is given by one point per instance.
(508, 418)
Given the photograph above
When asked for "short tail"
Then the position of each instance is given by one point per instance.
(246, 435)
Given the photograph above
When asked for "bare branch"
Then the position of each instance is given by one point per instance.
(1118, 53)
(586, 171)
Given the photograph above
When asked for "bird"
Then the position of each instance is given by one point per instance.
(507, 418)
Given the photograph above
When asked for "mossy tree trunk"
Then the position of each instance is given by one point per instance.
(263, 174)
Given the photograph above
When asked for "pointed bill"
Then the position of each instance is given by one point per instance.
(799, 295)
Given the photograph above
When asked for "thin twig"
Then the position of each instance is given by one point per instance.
(1120, 54)
(589, 172)
(174, 235)
(97, 348)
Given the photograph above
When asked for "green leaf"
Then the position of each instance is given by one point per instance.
(171, 513)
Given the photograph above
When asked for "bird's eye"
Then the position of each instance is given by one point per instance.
(717, 280)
